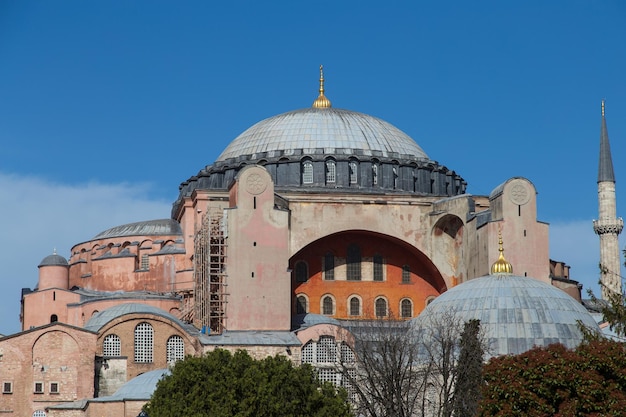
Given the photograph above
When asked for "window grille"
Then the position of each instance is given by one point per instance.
(328, 307)
(378, 268)
(112, 345)
(54, 388)
(406, 274)
(39, 413)
(353, 261)
(347, 355)
(308, 352)
(175, 349)
(301, 305)
(381, 307)
(406, 309)
(144, 343)
(327, 375)
(331, 172)
(326, 350)
(307, 173)
(355, 306)
(302, 272)
(38, 388)
(329, 266)
(145, 262)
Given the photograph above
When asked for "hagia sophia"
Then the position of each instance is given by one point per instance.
(308, 221)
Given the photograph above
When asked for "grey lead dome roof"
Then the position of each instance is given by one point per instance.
(53, 260)
(335, 130)
(516, 313)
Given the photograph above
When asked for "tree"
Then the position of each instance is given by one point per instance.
(555, 381)
(469, 375)
(404, 370)
(613, 309)
(222, 384)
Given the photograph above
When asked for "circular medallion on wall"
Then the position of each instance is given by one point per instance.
(520, 194)
(255, 184)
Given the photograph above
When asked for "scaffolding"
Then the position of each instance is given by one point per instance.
(210, 273)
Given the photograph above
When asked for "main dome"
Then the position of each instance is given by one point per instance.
(336, 131)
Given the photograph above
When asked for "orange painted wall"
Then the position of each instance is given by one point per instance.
(394, 254)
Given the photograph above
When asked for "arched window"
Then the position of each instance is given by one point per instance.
(353, 261)
(406, 309)
(331, 172)
(429, 300)
(112, 345)
(378, 268)
(328, 306)
(307, 172)
(406, 274)
(395, 177)
(329, 266)
(175, 349)
(381, 307)
(353, 172)
(302, 272)
(326, 350)
(54, 318)
(355, 306)
(374, 174)
(39, 413)
(331, 359)
(144, 343)
(302, 305)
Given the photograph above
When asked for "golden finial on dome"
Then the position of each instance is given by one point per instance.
(501, 266)
(321, 102)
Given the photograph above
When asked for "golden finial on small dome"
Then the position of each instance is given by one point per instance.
(321, 102)
(501, 266)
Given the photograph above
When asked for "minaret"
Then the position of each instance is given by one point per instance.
(608, 226)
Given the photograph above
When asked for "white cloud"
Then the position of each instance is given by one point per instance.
(39, 216)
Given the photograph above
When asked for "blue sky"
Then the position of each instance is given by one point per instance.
(107, 106)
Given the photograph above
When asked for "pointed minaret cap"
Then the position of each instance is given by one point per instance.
(605, 167)
(321, 102)
(501, 266)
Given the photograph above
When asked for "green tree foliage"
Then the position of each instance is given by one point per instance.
(222, 384)
(469, 372)
(555, 381)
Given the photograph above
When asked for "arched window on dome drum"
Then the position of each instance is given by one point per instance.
(111, 345)
(144, 343)
(302, 271)
(175, 349)
(301, 305)
(380, 307)
(355, 306)
(406, 274)
(331, 172)
(378, 268)
(353, 263)
(329, 266)
(328, 306)
(353, 172)
(395, 178)
(406, 309)
(54, 318)
(307, 172)
(375, 174)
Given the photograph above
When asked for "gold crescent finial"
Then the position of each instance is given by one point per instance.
(321, 102)
(501, 266)
(602, 107)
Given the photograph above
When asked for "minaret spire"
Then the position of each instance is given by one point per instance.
(608, 226)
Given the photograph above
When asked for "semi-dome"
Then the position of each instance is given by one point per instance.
(336, 131)
(516, 313)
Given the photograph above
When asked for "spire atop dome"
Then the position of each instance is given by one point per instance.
(321, 102)
(605, 167)
(501, 266)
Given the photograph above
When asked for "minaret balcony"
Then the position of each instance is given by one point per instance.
(604, 226)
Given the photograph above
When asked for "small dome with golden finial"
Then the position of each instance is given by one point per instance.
(321, 102)
(501, 266)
